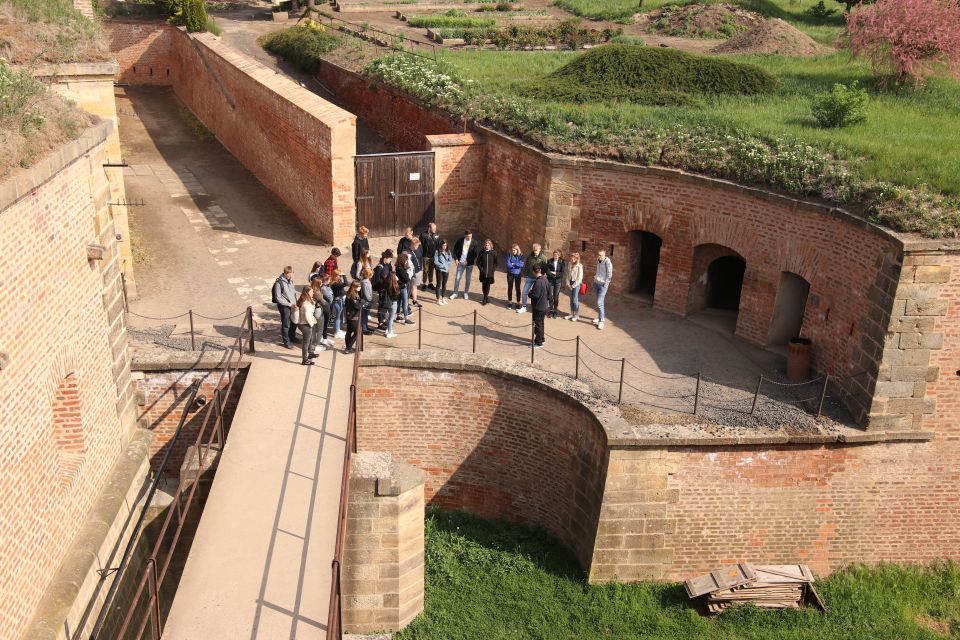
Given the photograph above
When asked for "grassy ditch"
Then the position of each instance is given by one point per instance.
(492, 579)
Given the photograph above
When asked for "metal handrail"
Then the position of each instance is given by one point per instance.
(335, 609)
(211, 429)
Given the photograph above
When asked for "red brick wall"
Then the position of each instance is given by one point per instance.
(494, 446)
(162, 397)
(144, 51)
(458, 167)
(400, 120)
(62, 432)
(299, 145)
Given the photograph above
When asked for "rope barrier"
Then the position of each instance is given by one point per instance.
(598, 375)
(561, 355)
(680, 376)
(794, 384)
(197, 315)
(559, 339)
(599, 354)
(657, 395)
(443, 333)
(500, 324)
(186, 313)
(440, 315)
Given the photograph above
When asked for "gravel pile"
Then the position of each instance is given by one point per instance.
(773, 36)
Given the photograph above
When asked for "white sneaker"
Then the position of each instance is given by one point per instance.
(391, 335)
(328, 342)
(454, 296)
(522, 310)
(596, 321)
(466, 296)
(600, 325)
(569, 317)
(341, 334)
(575, 319)
(319, 349)
(441, 301)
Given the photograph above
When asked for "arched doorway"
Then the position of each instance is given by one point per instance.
(725, 282)
(644, 256)
(788, 308)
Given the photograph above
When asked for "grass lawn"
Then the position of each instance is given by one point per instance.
(793, 11)
(490, 580)
(909, 135)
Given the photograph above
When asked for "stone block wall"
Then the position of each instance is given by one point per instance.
(48, 216)
(383, 571)
(499, 442)
(458, 179)
(402, 121)
(161, 396)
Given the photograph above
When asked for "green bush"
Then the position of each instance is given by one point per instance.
(194, 15)
(649, 76)
(840, 107)
(303, 45)
(819, 11)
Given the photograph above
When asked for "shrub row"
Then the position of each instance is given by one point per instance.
(774, 161)
(566, 34)
(303, 45)
(449, 21)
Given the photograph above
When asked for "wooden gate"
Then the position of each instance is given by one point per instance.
(394, 191)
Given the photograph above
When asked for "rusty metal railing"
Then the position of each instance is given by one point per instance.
(335, 611)
(143, 612)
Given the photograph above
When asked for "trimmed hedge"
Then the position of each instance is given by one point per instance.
(649, 75)
(303, 45)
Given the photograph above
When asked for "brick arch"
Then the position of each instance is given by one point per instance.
(723, 231)
(799, 257)
(67, 433)
(647, 218)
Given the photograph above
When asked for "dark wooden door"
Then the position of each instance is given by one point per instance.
(394, 191)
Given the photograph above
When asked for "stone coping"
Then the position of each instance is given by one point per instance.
(619, 432)
(153, 362)
(392, 476)
(87, 547)
(23, 182)
(76, 69)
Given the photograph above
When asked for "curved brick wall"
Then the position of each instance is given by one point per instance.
(491, 440)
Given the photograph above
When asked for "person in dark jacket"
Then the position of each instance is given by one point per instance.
(540, 301)
(366, 299)
(487, 266)
(381, 277)
(416, 259)
(535, 259)
(406, 242)
(353, 307)
(285, 297)
(465, 257)
(404, 273)
(514, 274)
(555, 278)
(360, 243)
(429, 242)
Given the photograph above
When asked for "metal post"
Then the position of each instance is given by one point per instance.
(253, 348)
(576, 371)
(420, 328)
(155, 595)
(756, 395)
(218, 403)
(823, 394)
(474, 331)
(193, 345)
(696, 395)
(123, 283)
(623, 365)
(360, 335)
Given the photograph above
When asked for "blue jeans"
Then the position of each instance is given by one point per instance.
(391, 315)
(527, 285)
(405, 301)
(456, 281)
(575, 300)
(288, 330)
(365, 318)
(601, 294)
(337, 312)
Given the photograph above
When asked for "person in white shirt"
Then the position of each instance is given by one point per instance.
(601, 282)
(465, 253)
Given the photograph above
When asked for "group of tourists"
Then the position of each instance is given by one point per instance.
(332, 301)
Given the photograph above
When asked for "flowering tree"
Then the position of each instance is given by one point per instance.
(910, 38)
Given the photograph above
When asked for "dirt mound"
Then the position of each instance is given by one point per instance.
(28, 39)
(773, 36)
(699, 20)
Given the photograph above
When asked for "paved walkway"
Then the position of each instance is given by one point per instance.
(259, 567)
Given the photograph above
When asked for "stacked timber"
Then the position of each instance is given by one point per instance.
(777, 586)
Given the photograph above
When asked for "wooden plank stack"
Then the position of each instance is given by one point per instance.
(778, 586)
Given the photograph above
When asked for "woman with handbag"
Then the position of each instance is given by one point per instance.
(576, 285)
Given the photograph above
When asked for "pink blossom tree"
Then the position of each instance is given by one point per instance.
(912, 39)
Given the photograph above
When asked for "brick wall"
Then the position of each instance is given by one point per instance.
(458, 180)
(300, 146)
(675, 512)
(162, 395)
(492, 445)
(67, 405)
(402, 121)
